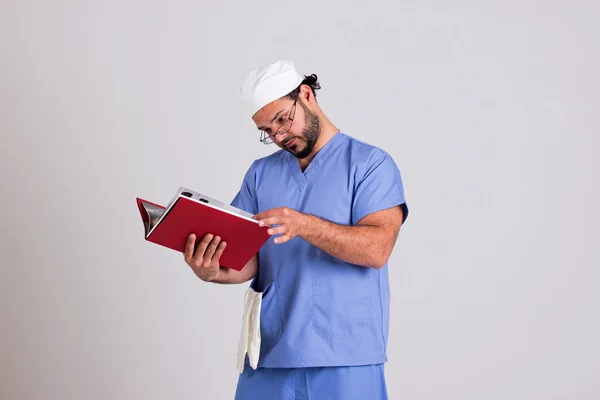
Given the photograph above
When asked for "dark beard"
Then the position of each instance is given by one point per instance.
(311, 132)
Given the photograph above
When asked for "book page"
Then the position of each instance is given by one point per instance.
(154, 214)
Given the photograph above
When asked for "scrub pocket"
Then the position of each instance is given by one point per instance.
(271, 325)
(341, 311)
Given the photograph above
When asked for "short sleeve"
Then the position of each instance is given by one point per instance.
(245, 199)
(379, 188)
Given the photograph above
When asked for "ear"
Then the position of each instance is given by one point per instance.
(306, 94)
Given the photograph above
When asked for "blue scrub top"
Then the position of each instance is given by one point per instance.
(318, 310)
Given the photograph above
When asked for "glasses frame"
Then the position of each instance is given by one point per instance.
(265, 138)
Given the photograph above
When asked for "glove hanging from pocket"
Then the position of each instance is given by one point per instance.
(250, 334)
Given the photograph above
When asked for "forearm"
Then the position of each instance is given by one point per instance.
(231, 276)
(362, 245)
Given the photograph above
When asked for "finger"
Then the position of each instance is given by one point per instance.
(282, 239)
(219, 251)
(279, 229)
(210, 250)
(268, 213)
(202, 248)
(189, 248)
(269, 221)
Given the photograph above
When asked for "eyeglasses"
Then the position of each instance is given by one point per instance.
(268, 138)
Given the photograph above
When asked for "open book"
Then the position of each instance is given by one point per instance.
(192, 212)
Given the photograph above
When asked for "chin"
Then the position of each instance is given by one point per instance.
(302, 154)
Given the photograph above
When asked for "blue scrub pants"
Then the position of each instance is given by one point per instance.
(317, 383)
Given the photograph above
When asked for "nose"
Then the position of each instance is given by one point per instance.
(280, 138)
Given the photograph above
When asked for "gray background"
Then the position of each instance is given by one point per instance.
(490, 110)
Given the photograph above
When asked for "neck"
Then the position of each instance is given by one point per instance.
(328, 130)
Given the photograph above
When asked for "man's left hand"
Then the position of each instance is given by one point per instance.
(291, 222)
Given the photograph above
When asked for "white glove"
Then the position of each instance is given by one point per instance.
(250, 334)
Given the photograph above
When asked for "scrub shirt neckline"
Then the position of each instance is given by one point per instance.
(315, 165)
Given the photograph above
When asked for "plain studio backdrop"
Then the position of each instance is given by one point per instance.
(490, 110)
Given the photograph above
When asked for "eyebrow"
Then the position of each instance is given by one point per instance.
(262, 128)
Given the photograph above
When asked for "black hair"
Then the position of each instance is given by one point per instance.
(309, 80)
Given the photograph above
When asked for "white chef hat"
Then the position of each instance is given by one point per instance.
(269, 83)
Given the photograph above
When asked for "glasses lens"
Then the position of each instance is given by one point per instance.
(264, 137)
(285, 127)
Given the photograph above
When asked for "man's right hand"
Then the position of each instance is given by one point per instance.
(204, 259)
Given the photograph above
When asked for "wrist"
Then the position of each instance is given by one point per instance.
(217, 277)
(305, 224)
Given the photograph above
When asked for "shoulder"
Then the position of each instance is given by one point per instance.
(262, 164)
(366, 156)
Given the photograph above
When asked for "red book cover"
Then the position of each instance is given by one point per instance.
(172, 225)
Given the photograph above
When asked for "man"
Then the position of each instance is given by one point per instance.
(334, 206)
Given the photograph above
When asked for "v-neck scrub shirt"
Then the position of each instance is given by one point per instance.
(318, 310)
